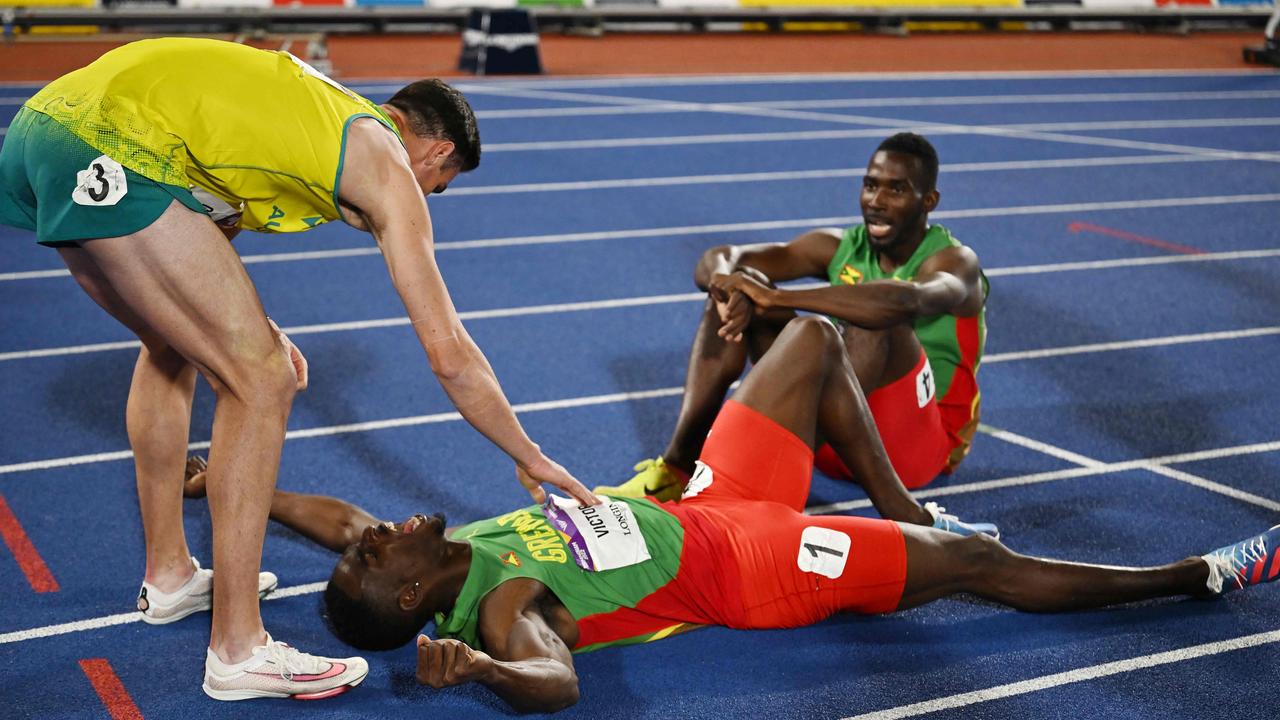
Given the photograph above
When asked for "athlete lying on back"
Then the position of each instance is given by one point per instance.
(514, 596)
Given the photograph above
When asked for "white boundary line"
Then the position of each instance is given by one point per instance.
(764, 225)
(1103, 468)
(610, 398)
(1092, 672)
(648, 300)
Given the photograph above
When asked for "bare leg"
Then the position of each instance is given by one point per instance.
(941, 564)
(879, 357)
(806, 384)
(159, 419)
(714, 365)
(181, 279)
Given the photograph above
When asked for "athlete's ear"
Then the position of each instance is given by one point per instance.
(931, 199)
(410, 596)
(440, 152)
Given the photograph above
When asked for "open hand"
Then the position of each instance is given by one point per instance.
(442, 663)
(295, 356)
(193, 478)
(546, 470)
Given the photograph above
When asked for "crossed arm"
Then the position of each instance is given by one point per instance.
(741, 280)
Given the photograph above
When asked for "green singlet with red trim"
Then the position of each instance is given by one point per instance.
(522, 544)
(953, 344)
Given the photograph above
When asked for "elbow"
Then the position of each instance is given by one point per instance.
(566, 697)
(448, 363)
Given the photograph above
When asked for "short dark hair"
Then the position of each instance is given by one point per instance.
(437, 110)
(374, 622)
(919, 148)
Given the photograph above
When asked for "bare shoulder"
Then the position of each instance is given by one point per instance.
(374, 166)
(960, 261)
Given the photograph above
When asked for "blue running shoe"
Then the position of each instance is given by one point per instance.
(953, 524)
(1248, 562)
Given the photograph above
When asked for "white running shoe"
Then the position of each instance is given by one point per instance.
(276, 670)
(160, 608)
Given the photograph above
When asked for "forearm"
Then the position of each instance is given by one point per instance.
(536, 685)
(327, 521)
(874, 305)
(472, 386)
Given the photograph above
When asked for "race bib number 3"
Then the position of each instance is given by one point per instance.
(823, 551)
(600, 537)
(103, 183)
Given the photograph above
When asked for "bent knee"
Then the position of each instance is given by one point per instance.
(264, 378)
(815, 331)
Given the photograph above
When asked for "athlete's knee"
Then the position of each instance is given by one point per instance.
(259, 376)
(815, 335)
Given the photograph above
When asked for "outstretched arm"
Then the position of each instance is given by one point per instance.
(332, 523)
(379, 183)
(528, 664)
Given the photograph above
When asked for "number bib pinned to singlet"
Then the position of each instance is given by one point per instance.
(600, 537)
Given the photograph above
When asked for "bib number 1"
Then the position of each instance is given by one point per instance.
(823, 551)
(102, 183)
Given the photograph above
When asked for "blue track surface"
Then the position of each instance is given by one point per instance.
(593, 191)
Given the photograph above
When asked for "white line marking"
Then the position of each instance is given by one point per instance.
(644, 301)
(1153, 467)
(1093, 468)
(826, 174)
(663, 107)
(1093, 672)
(368, 426)
(667, 232)
(109, 620)
(1131, 344)
(1040, 447)
(130, 617)
(1215, 487)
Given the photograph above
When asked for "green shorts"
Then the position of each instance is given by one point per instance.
(58, 185)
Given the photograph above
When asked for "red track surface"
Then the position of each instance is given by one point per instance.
(407, 56)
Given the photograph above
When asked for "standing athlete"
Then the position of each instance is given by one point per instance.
(908, 299)
(101, 164)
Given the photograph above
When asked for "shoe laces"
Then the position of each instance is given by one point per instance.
(289, 661)
(645, 465)
(1231, 561)
(941, 519)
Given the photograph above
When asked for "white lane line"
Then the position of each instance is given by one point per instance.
(876, 133)
(130, 617)
(937, 127)
(432, 419)
(1040, 447)
(1131, 344)
(666, 232)
(1153, 467)
(647, 300)
(1023, 99)
(663, 107)
(830, 173)
(897, 78)
(1092, 672)
(109, 620)
(1214, 487)
(1065, 474)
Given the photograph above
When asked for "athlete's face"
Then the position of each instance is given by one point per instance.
(895, 205)
(398, 558)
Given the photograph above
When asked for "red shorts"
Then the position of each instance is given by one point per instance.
(913, 435)
(791, 569)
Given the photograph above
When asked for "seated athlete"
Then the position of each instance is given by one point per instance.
(909, 299)
(514, 596)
